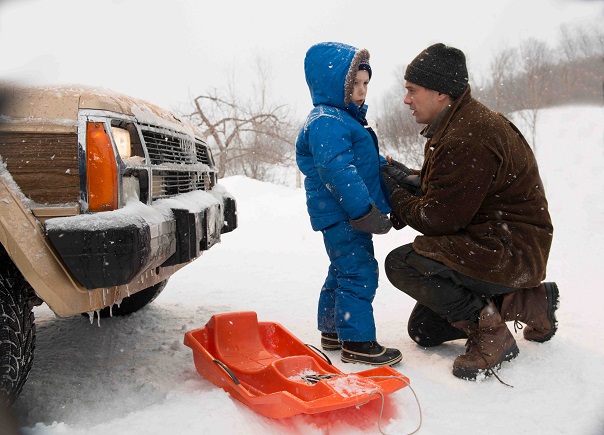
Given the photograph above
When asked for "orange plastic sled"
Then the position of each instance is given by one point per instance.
(268, 369)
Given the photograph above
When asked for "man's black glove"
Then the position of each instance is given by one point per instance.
(398, 176)
(397, 224)
(391, 181)
(400, 167)
(374, 222)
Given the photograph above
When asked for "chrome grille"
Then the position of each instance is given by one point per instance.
(170, 183)
(203, 154)
(167, 148)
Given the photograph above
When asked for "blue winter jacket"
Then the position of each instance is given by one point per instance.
(334, 149)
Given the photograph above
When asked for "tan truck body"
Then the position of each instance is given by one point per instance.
(41, 143)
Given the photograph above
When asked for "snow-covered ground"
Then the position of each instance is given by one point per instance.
(133, 375)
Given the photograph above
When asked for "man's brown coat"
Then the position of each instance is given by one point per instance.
(484, 210)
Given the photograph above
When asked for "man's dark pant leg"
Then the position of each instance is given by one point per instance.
(428, 329)
(446, 292)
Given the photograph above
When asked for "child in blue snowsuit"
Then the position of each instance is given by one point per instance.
(346, 198)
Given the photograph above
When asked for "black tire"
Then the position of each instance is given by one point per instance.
(135, 302)
(17, 329)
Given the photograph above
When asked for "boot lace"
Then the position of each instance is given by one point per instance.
(475, 338)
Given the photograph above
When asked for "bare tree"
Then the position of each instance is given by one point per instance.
(582, 61)
(398, 132)
(502, 70)
(569, 54)
(247, 136)
(536, 76)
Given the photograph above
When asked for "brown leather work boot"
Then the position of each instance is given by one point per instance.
(535, 307)
(489, 343)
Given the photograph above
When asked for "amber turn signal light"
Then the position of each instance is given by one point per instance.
(101, 169)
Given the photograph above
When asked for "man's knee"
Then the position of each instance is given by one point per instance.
(413, 273)
(397, 258)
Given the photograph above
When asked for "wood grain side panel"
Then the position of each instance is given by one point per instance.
(45, 166)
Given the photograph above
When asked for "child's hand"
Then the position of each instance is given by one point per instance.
(374, 222)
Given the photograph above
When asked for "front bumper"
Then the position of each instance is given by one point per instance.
(113, 248)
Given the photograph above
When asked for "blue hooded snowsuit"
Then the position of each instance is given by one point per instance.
(339, 157)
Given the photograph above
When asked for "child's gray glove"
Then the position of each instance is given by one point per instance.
(374, 222)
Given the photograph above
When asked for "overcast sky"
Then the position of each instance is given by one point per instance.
(170, 51)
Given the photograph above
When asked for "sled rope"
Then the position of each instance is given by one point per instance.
(316, 350)
(383, 400)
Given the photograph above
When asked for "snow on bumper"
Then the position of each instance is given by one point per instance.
(112, 248)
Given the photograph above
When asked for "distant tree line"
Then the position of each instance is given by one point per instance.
(253, 137)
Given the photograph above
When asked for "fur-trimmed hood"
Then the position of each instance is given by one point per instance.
(330, 69)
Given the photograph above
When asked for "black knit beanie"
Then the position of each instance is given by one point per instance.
(364, 66)
(440, 68)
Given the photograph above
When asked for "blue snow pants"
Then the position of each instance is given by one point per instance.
(349, 289)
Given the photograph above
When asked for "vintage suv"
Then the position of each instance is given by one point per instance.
(102, 198)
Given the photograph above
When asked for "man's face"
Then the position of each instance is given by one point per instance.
(425, 103)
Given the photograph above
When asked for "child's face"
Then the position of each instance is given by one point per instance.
(359, 92)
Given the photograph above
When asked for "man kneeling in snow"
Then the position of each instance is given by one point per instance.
(479, 203)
